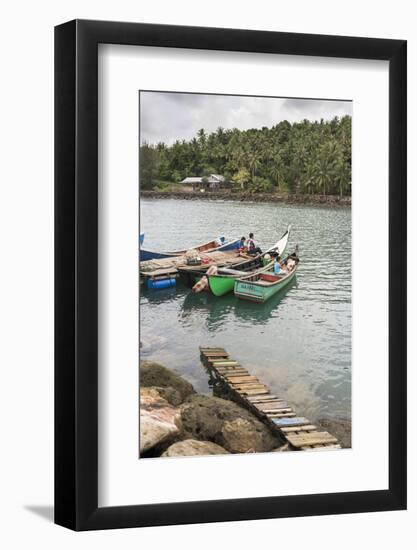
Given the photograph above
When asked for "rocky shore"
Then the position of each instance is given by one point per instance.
(318, 200)
(177, 421)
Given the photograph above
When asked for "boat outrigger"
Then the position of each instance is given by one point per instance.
(221, 280)
(220, 244)
(260, 286)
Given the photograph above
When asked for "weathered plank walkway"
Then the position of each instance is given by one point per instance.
(246, 389)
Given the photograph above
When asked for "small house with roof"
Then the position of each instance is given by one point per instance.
(213, 181)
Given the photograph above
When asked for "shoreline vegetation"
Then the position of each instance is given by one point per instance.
(302, 158)
(175, 420)
(238, 196)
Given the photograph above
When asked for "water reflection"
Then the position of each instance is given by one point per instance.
(218, 310)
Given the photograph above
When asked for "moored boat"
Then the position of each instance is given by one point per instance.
(260, 286)
(218, 245)
(223, 281)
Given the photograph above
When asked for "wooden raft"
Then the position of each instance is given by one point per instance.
(164, 267)
(245, 388)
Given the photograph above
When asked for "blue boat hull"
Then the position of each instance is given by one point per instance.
(146, 255)
(233, 245)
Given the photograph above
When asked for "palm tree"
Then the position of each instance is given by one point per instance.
(324, 173)
(308, 178)
(277, 170)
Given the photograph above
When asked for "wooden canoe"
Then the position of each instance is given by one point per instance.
(218, 245)
(259, 287)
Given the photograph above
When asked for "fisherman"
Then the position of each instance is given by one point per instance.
(242, 244)
(266, 259)
(253, 248)
(277, 267)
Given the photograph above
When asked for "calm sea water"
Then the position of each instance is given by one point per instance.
(299, 342)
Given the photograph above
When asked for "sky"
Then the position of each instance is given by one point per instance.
(168, 116)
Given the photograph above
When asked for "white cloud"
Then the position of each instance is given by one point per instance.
(167, 116)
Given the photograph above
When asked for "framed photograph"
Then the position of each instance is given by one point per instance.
(230, 275)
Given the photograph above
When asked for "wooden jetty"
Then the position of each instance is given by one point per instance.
(247, 390)
(167, 267)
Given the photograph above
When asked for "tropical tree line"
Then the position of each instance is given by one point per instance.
(303, 157)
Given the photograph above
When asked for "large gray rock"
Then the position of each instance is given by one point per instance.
(192, 447)
(242, 436)
(227, 424)
(156, 375)
(172, 395)
(159, 421)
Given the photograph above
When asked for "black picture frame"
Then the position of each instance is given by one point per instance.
(76, 272)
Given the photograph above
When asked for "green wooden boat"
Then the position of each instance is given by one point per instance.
(224, 282)
(259, 287)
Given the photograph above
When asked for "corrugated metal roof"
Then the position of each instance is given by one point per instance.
(211, 179)
(192, 180)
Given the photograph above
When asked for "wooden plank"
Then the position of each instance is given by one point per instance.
(265, 406)
(274, 416)
(244, 384)
(254, 392)
(306, 428)
(310, 438)
(227, 367)
(274, 412)
(236, 379)
(214, 351)
(254, 386)
(158, 273)
(286, 422)
(231, 372)
(221, 363)
(262, 398)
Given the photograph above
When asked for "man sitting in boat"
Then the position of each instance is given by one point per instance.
(242, 245)
(277, 267)
(252, 246)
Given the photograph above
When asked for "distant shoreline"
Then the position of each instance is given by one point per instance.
(311, 200)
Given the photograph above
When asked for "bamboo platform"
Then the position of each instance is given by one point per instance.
(246, 389)
(167, 267)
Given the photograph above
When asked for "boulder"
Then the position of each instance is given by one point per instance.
(227, 424)
(192, 447)
(172, 395)
(242, 436)
(154, 374)
(159, 421)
